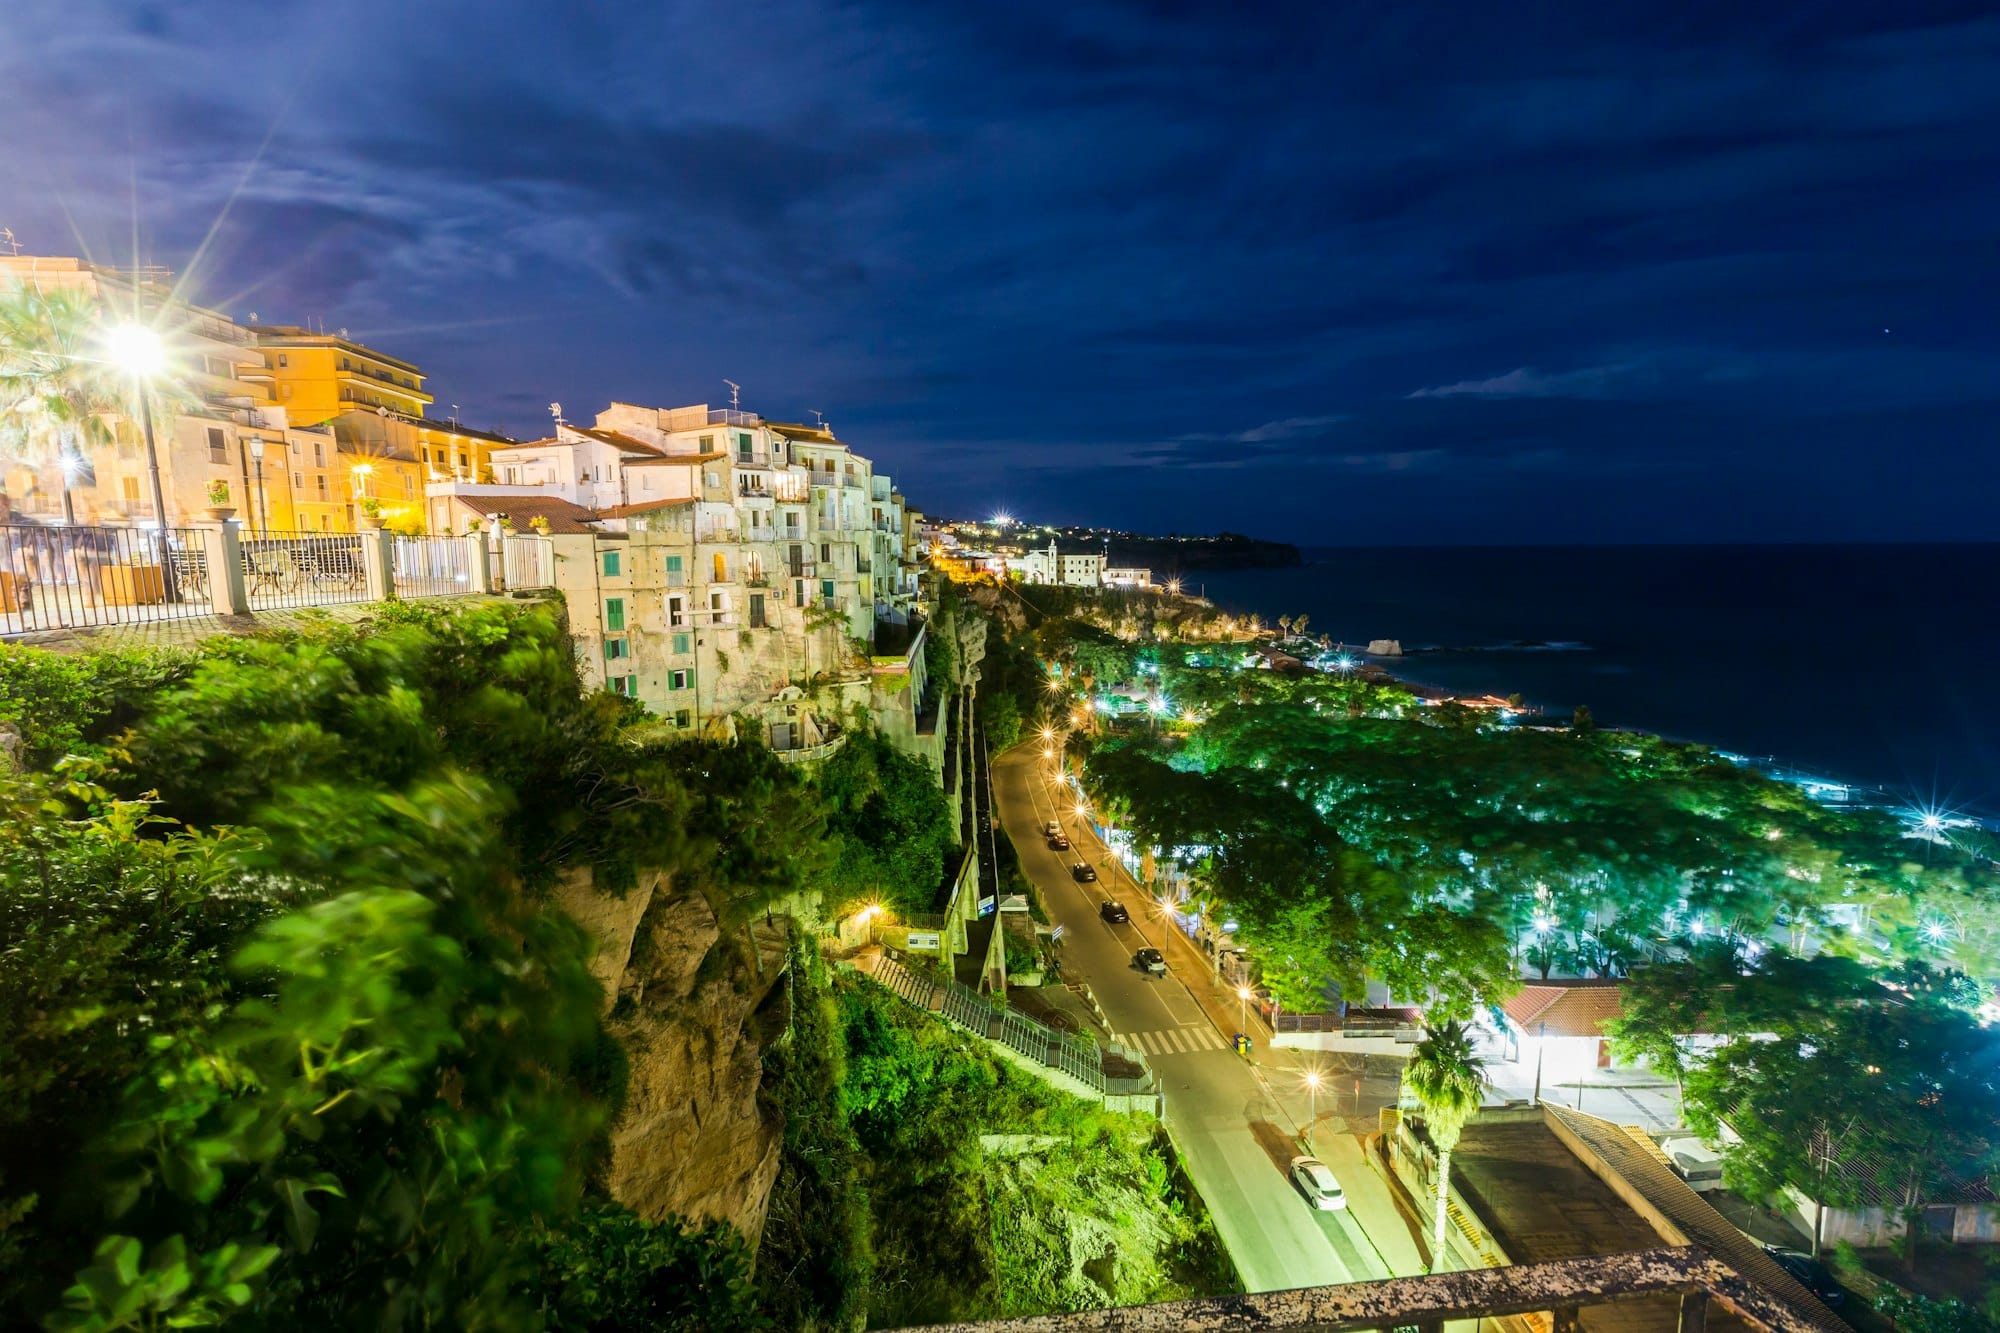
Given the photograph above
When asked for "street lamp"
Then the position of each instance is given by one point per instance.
(263, 512)
(138, 351)
(1312, 1106)
(1243, 1006)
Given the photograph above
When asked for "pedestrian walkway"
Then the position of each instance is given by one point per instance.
(1175, 1041)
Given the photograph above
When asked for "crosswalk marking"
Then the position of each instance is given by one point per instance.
(1175, 1041)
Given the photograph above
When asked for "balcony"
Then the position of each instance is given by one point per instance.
(757, 579)
(806, 754)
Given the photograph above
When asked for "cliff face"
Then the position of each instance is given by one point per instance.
(692, 1009)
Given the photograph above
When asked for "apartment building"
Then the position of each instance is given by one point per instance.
(745, 577)
(214, 419)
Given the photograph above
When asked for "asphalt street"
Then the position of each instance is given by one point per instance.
(1236, 1122)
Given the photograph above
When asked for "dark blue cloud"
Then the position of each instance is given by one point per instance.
(1421, 272)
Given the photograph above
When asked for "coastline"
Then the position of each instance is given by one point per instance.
(1733, 660)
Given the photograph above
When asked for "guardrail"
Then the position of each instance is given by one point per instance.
(283, 570)
(432, 567)
(75, 576)
(527, 562)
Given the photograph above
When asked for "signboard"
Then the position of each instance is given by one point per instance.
(923, 939)
(986, 906)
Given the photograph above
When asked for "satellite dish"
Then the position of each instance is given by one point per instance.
(381, 411)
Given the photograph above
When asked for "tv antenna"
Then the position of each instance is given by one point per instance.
(253, 317)
(343, 333)
(555, 410)
(454, 414)
(735, 393)
(818, 416)
(7, 239)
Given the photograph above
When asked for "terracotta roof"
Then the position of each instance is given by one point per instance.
(545, 441)
(1576, 1008)
(616, 440)
(677, 458)
(561, 514)
(643, 507)
(1638, 1161)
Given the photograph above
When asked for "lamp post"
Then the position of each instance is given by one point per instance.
(1312, 1108)
(263, 511)
(1243, 1007)
(138, 351)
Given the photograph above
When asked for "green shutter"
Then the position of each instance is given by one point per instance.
(826, 589)
(681, 644)
(673, 564)
(611, 564)
(614, 613)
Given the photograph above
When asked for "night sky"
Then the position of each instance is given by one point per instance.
(1333, 273)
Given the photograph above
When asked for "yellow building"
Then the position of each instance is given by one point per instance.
(317, 376)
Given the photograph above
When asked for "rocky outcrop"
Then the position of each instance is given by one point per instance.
(1385, 648)
(692, 1006)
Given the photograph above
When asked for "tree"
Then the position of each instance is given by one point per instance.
(1446, 1077)
(54, 383)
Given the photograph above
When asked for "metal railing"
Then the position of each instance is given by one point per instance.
(294, 569)
(76, 576)
(527, 562)
(432, 567)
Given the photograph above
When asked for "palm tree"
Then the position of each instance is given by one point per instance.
(1446, 1076)
(54, 387)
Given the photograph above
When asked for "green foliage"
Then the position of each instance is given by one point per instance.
(607, 1271)
(1000, 717)
(891, 826)
(814, 1265)
(1909, 1312)
(1095, 1217)
(1838, 1082)
(65, 703)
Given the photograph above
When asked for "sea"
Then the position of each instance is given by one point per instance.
(1877, 665)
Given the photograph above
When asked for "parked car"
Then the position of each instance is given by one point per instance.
(1082, 873)
(1812, 1274)
(1058, 843)
(1695, 1162)
(1322, 1191)
(1051, 829)
(1113, 911)
(1150, 960)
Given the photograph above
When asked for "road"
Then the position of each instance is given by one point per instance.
(1236, 1122)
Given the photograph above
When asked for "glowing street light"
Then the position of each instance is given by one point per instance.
(1935, 932)
(138, 351)
(1243, 1003)
(1312, 1106)
(1174, 586)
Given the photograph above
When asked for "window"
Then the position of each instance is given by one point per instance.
(218, 445)
(614, 613)
(718, 603)
(321, 479)
(283, 360)
(757, 610)
(826, 590)
(683, 645)
(707, 444)
(710, 477)
(284, 391)
(625, 685)
(721, 567)
(611, 564)
(681, 718)
(677, 680)
(326, 522)
(742, 448)
(675, 577)
(298, 481)
(799, 591)
(617, 648)
(463, 461)
(131, 489)
(825, 551)
(676, 611)
(319, 454)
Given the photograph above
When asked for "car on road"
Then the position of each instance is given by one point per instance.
(1058, 843)
(1113, 911)
(1695, 1162)
(1316, 1182)
(1150, 960)
(1051, 829)
(1082, 873)
(1812, 1274)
